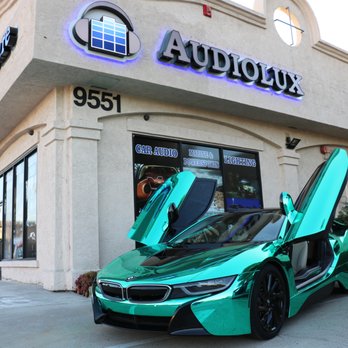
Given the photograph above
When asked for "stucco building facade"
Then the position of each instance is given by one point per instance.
(208, 83)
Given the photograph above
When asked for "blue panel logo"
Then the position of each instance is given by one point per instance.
(106, 29)
(109, 36)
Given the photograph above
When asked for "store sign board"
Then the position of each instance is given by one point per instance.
(218, 62)
(8, 41)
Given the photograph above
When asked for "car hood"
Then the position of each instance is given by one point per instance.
(176, 265)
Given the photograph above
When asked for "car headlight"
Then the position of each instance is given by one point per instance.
(202, 287)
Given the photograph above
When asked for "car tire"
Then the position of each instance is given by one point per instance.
(339, 288)
(269, 303)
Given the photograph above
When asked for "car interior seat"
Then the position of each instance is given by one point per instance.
(299, 256)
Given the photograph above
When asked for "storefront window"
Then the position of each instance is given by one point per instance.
(18, 210)
(287, 26)
(1, 211)
(241, 179)
(8, 206)
(204, 162)
(237, 173)
(154, 162)
(30, 240)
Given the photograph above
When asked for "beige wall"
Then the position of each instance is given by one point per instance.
(50, 58)
(85, 174)
(85, 170)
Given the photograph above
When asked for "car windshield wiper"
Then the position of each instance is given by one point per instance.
(175, 245)
(193, 245)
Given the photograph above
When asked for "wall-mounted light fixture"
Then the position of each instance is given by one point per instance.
(291, 143)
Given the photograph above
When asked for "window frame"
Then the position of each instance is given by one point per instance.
(12, 167)
(180, 144)
(294, 37)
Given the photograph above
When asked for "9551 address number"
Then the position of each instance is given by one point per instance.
(96, 99)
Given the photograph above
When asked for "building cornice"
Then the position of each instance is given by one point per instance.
(331, 50)
(232, 9)
(5, 5)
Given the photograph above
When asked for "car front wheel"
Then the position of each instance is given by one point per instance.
(269, 303)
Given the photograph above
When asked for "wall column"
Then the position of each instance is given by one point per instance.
(69, 203)
(289, 161)
(82, 141)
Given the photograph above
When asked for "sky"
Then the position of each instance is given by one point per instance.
(332, 19)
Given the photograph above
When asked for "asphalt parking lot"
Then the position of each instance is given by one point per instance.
(32, 317)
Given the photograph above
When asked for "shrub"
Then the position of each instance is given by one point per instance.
(84, 282)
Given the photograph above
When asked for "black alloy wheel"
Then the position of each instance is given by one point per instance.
(269, 303)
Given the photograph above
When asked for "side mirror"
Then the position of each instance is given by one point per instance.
(288, 209)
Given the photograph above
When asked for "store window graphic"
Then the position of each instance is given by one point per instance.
(237, 173)
(204, 162)
(154, 162)
(241, 180)
(104, 29)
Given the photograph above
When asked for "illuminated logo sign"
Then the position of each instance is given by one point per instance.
(218, 62)
(106, 29)
(7, 43)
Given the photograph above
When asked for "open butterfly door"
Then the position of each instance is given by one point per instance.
(178, 203)
(317, 202)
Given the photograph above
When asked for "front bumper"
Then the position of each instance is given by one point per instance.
(225, 313)
(183, 322)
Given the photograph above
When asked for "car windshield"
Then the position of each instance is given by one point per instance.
(236, 227)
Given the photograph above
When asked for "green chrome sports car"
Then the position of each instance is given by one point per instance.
(228, 274)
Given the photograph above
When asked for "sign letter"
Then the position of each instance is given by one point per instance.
(295, 89)
(174, 48)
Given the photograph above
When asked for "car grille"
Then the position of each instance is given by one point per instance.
(113, 290)
(148, 293)
(142, 293)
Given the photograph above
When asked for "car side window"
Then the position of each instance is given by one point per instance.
(340, 223)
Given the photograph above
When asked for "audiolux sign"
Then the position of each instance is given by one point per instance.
(104, 29)
(216, 61)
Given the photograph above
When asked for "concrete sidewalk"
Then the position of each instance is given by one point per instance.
(31, 317)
